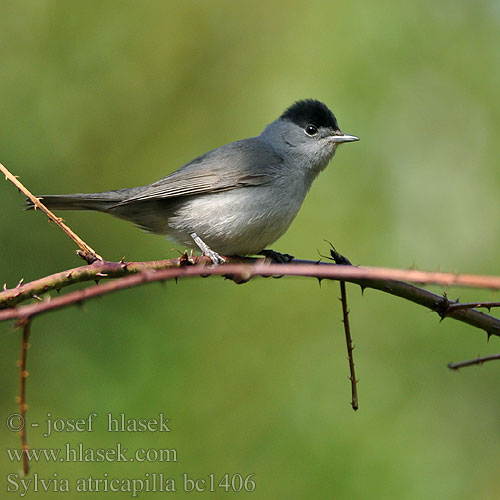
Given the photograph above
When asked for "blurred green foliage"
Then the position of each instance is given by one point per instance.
(103, 95)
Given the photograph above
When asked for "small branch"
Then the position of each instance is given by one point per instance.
(26, 324)
(86, 252)
(477, 361)
(350, 348)
(456, 306)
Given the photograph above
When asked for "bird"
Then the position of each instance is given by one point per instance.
(234, 200)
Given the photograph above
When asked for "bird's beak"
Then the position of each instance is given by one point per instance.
(343, 138)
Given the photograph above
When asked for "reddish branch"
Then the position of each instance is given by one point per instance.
(471, 362)
(370, 277)
(94, 272)
(377, 278)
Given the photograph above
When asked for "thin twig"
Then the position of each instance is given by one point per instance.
(246, 270)
(350, 347)
(86, 252)
(455, 306)
(26, 324)
(477, 361)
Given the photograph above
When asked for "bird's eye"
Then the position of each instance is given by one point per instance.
(311, 130)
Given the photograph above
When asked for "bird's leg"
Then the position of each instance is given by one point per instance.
(214, 256)
(276, 257)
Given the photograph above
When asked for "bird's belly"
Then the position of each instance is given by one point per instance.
(238, 222)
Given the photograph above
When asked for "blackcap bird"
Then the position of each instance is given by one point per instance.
(236, 199)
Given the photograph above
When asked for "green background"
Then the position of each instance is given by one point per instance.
(104, 95)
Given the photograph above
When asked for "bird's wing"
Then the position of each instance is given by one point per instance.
(249, 162)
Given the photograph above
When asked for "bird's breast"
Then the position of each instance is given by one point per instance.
(237, 222)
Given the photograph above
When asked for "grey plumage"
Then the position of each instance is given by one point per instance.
(238, 198)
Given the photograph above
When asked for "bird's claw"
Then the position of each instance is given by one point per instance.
(276, 257)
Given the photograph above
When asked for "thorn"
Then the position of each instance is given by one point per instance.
(21, 281)
(4, 287)
(96, 282)
(488, 335)
(319, 281)
(35, 296)
(58, 290)
(69, 275)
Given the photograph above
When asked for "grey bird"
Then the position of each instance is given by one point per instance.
(236, 199)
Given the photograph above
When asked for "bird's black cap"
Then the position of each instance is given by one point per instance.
(310, 112)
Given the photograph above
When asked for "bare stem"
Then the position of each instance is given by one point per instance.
(477, 361)
(86, 252)
(350, 348)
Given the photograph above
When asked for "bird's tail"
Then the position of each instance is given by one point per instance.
(100, 202)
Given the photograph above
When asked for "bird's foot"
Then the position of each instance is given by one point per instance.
(276, 257)
(214, 256)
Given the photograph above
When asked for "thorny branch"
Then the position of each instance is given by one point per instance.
(23, 407)
(350, 347)
(86, 252)
(477, 361)
(377, 278)
(383, 279)
(472, 305)
(341, 260)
